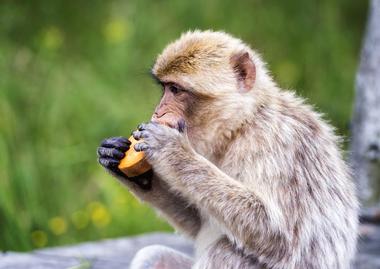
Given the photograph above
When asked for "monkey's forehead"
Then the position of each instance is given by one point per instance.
(196, 52)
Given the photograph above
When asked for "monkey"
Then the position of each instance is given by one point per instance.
(249, 171)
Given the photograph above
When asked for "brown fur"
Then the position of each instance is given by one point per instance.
(258, 178)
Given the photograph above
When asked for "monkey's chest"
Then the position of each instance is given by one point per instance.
(209, 233)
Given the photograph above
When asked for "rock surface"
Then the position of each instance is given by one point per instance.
(117, 253)
(368, 256)
(113, 253)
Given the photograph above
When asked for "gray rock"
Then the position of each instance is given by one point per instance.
(113, 253)
(117, 253)
(368, 256)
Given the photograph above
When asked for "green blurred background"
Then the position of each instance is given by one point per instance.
(75, 72)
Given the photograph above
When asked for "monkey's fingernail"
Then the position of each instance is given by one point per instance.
(141, 127)
(136, 135)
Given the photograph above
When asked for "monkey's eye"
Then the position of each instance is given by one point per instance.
(174, 89)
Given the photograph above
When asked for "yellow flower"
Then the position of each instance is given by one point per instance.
(39, 238)
(52, 38)
(100, 216)
(80, 219)
(115, 31)
(58, 225)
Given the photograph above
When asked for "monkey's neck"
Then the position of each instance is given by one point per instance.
(223, 127)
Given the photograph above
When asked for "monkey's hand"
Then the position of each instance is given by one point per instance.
(111, 151)
(159, 145)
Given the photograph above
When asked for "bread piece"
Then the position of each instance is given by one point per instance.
(134, 163)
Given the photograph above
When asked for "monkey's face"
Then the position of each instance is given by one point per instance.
(205, 80)
(175, 106)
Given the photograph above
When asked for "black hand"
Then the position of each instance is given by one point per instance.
(111, 151)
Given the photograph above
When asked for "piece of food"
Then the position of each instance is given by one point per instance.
(134, 163)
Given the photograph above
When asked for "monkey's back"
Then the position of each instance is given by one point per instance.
(296, 167)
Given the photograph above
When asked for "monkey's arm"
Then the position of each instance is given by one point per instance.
(174, 208)
(236, 207)
(250, 220)
(155, 192)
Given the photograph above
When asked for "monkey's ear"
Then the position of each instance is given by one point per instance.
(245, 70)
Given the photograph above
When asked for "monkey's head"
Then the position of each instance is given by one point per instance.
(208, 81)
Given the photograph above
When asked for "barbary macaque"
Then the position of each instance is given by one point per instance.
(247, 170)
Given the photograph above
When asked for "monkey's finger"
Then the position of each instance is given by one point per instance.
(110, 152)
(120, 139)
(142, 126)
(140, 134)
(119, 146)
(151, 127)
(121, 143)
(108, 163)
(136, 135)
(141, 146)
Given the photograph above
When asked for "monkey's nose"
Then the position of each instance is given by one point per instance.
(156, 116)
(167, 118)
(161, 115)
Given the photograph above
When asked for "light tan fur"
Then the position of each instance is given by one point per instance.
(258, 179)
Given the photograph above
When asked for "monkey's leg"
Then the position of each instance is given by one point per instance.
(224, 255)
(160, 257)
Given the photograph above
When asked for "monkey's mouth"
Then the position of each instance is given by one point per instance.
(171, 120)
(180, 125)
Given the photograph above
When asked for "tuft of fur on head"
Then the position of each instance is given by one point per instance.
(201, 60)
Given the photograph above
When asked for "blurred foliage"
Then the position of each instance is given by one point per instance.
(75, 72)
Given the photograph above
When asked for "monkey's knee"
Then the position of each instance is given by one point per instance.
(160, 257)
(223, 254)
(147, 257)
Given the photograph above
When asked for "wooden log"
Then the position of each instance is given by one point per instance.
(365, 144)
